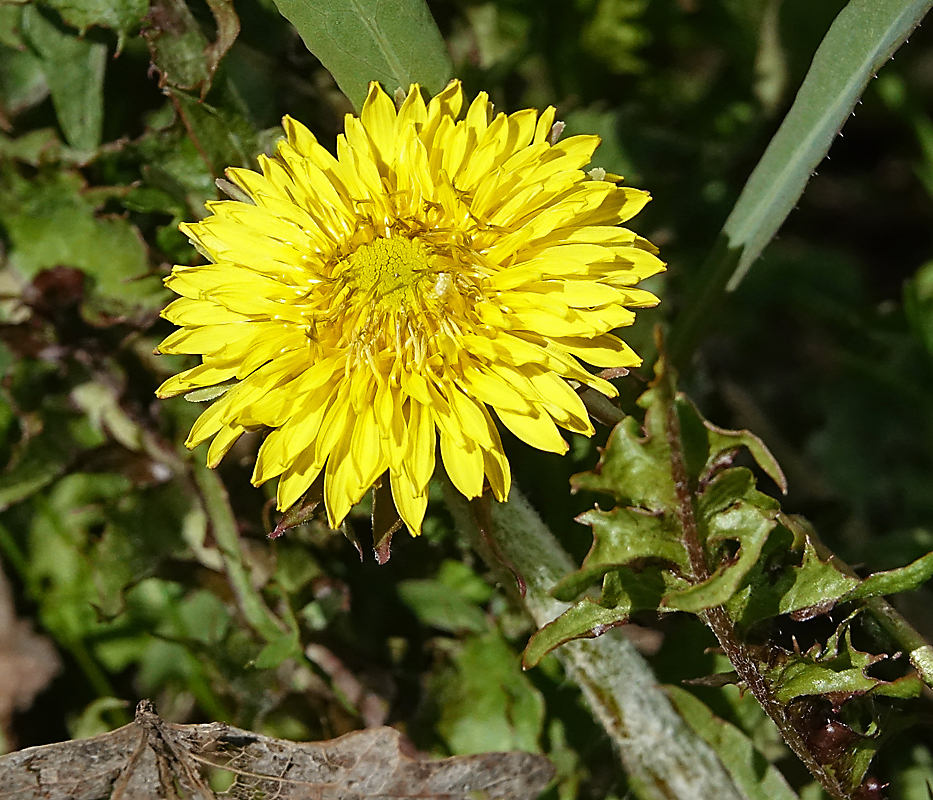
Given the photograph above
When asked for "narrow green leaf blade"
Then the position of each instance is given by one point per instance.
(748, 767)
(394, 42)
(863, 37)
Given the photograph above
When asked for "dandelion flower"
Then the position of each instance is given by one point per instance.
(435, 275)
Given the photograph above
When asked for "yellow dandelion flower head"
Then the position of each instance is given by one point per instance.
(437, 272)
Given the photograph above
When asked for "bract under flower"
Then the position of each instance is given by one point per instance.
(437, 272)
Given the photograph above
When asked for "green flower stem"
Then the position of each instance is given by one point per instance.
(663, 758)
(249, 601)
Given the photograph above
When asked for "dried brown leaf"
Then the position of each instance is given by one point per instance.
(151, 758)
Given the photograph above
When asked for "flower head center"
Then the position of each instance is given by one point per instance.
(388, 272)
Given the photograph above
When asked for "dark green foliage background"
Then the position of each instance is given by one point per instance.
(108, 532)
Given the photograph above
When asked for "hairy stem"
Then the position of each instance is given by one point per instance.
(663, 758)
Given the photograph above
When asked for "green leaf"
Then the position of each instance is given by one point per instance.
(74, 71)
(622, 536)
(486, 702)
(743, 523)
(122, 16)
(862, 38)
(904, 579)
(179, 177)
(394, 42)
(440, 607)
(24, 84)
(177, 45)
(722, 442)
(35, 464)
(273, 654)
(813, 583)
(585, 620)
(838, 669)
(179, 49)
(750, 770)
(918, 305)
(52, 222)
(33, 148)
(92, 721)
(633, 469)
(222, 135)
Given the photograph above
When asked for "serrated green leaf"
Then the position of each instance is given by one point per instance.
(486, 702)
(585, 620)
(839, 669)
(624, 592)
(750, 770)
(634, 470)
(694, 438)
(122, 16)
(904, 579)
(620, 537)
(74, 70)
(394, 42)
(735, 483)
(813, 583)
(723, 441)
(743, 523)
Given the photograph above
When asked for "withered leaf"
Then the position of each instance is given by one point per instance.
(150, 758)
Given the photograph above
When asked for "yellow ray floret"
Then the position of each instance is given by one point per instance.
(375, 308)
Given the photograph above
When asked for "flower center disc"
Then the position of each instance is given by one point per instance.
(388, 271)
